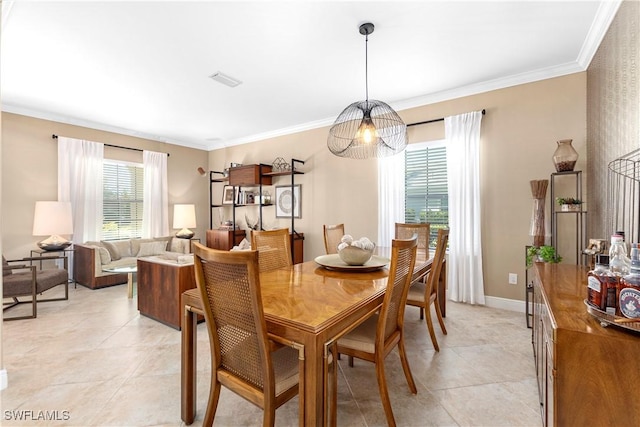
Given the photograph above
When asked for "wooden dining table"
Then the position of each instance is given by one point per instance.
(309, 305)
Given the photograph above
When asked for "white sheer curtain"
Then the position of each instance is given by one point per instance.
(463, 172)
(390, 196)
(80, 182)
(155, 210)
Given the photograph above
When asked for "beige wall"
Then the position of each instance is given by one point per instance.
(519, 134)
(29, 174)
(518, 139)
(613, 105)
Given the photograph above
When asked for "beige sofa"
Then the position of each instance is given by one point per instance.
(91, 258)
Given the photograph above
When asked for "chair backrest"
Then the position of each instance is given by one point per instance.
(406, 231)
(403, 259)
(229, 286)
(438, 260)
(332, 237)
(274, 248)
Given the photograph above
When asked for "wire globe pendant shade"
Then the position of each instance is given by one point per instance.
(367, 129)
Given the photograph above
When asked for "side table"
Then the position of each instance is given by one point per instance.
(66, 253)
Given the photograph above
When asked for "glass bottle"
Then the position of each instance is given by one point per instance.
(628, 303)
(600, 283)
(619, 262)
(565, 156)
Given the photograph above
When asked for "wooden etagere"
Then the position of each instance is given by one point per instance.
(256, 176)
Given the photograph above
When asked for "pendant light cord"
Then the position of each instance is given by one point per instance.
(366, 66)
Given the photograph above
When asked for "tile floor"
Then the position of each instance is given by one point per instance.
(97, 362)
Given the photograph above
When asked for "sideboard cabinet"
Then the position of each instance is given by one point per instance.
(587, 374)
(224, 239)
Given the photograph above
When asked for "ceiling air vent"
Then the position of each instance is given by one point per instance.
(224, 79)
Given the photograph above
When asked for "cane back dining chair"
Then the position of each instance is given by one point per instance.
(377, 336)
(332, 237)
(244, 357)
(406, 231)
(274, 248)
(424, 294)
(25, 280)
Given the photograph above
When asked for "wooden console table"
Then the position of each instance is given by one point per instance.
(587, 374)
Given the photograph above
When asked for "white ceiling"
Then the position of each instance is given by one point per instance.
(142, 68)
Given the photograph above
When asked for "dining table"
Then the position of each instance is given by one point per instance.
(310, 305)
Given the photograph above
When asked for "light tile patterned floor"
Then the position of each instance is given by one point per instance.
(97, 362)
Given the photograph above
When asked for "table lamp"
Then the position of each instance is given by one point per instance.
(184, 217)
(53, 219)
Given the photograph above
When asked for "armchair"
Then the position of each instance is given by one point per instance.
(31, 282)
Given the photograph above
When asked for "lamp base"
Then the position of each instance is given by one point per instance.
(54, 243)
(185, 233)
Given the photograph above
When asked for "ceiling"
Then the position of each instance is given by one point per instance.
(142, 68)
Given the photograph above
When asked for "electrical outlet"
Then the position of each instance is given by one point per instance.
(513, 279)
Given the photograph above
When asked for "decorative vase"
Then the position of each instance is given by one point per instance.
(565, 156)
(539, 193)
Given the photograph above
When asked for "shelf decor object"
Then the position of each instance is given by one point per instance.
(370, 128)
(565, 156)
(539, 193)
(288, 201)
(569, 204)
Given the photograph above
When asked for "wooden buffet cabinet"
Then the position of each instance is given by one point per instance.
(224, 239)
(588, 375)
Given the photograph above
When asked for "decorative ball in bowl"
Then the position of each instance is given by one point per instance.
(353, 255)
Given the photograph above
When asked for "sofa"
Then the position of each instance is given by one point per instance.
(91, 258)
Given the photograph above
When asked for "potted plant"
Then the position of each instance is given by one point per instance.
(569, 204)
(542, 253)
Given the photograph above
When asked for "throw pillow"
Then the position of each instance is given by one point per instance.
(113, 250)
(105, 256)
(182, 246)
(152, 248)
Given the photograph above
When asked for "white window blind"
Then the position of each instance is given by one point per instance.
(426, 191)
(123, 185)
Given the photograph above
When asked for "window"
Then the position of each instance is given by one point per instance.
(122, 195)
(426, 191)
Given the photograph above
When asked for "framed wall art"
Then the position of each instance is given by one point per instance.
(228, 195)
(288, 201)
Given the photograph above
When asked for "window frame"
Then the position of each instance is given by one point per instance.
(136, 231)
(434, 225)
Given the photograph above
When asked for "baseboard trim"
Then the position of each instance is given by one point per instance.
(3, 379)
(505, 304)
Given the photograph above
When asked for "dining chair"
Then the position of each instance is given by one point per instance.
(332, 237)
(406, 231)
(377, 336)
(425, 293)
(274, 248)
(244, 358)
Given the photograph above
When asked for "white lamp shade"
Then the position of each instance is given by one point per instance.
(52, 218)
(184, 216)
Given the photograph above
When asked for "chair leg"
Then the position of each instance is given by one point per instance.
(333, 416)
(439, 314)
(405, 366)
(384, 392)
(212, 404)
(421, 313)
(431, 331)
(269, 416)
(351, 361)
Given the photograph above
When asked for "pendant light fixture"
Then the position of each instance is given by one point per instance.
(370, 128)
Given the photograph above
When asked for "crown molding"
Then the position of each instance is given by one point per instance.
(604, 16)
(45, 115)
